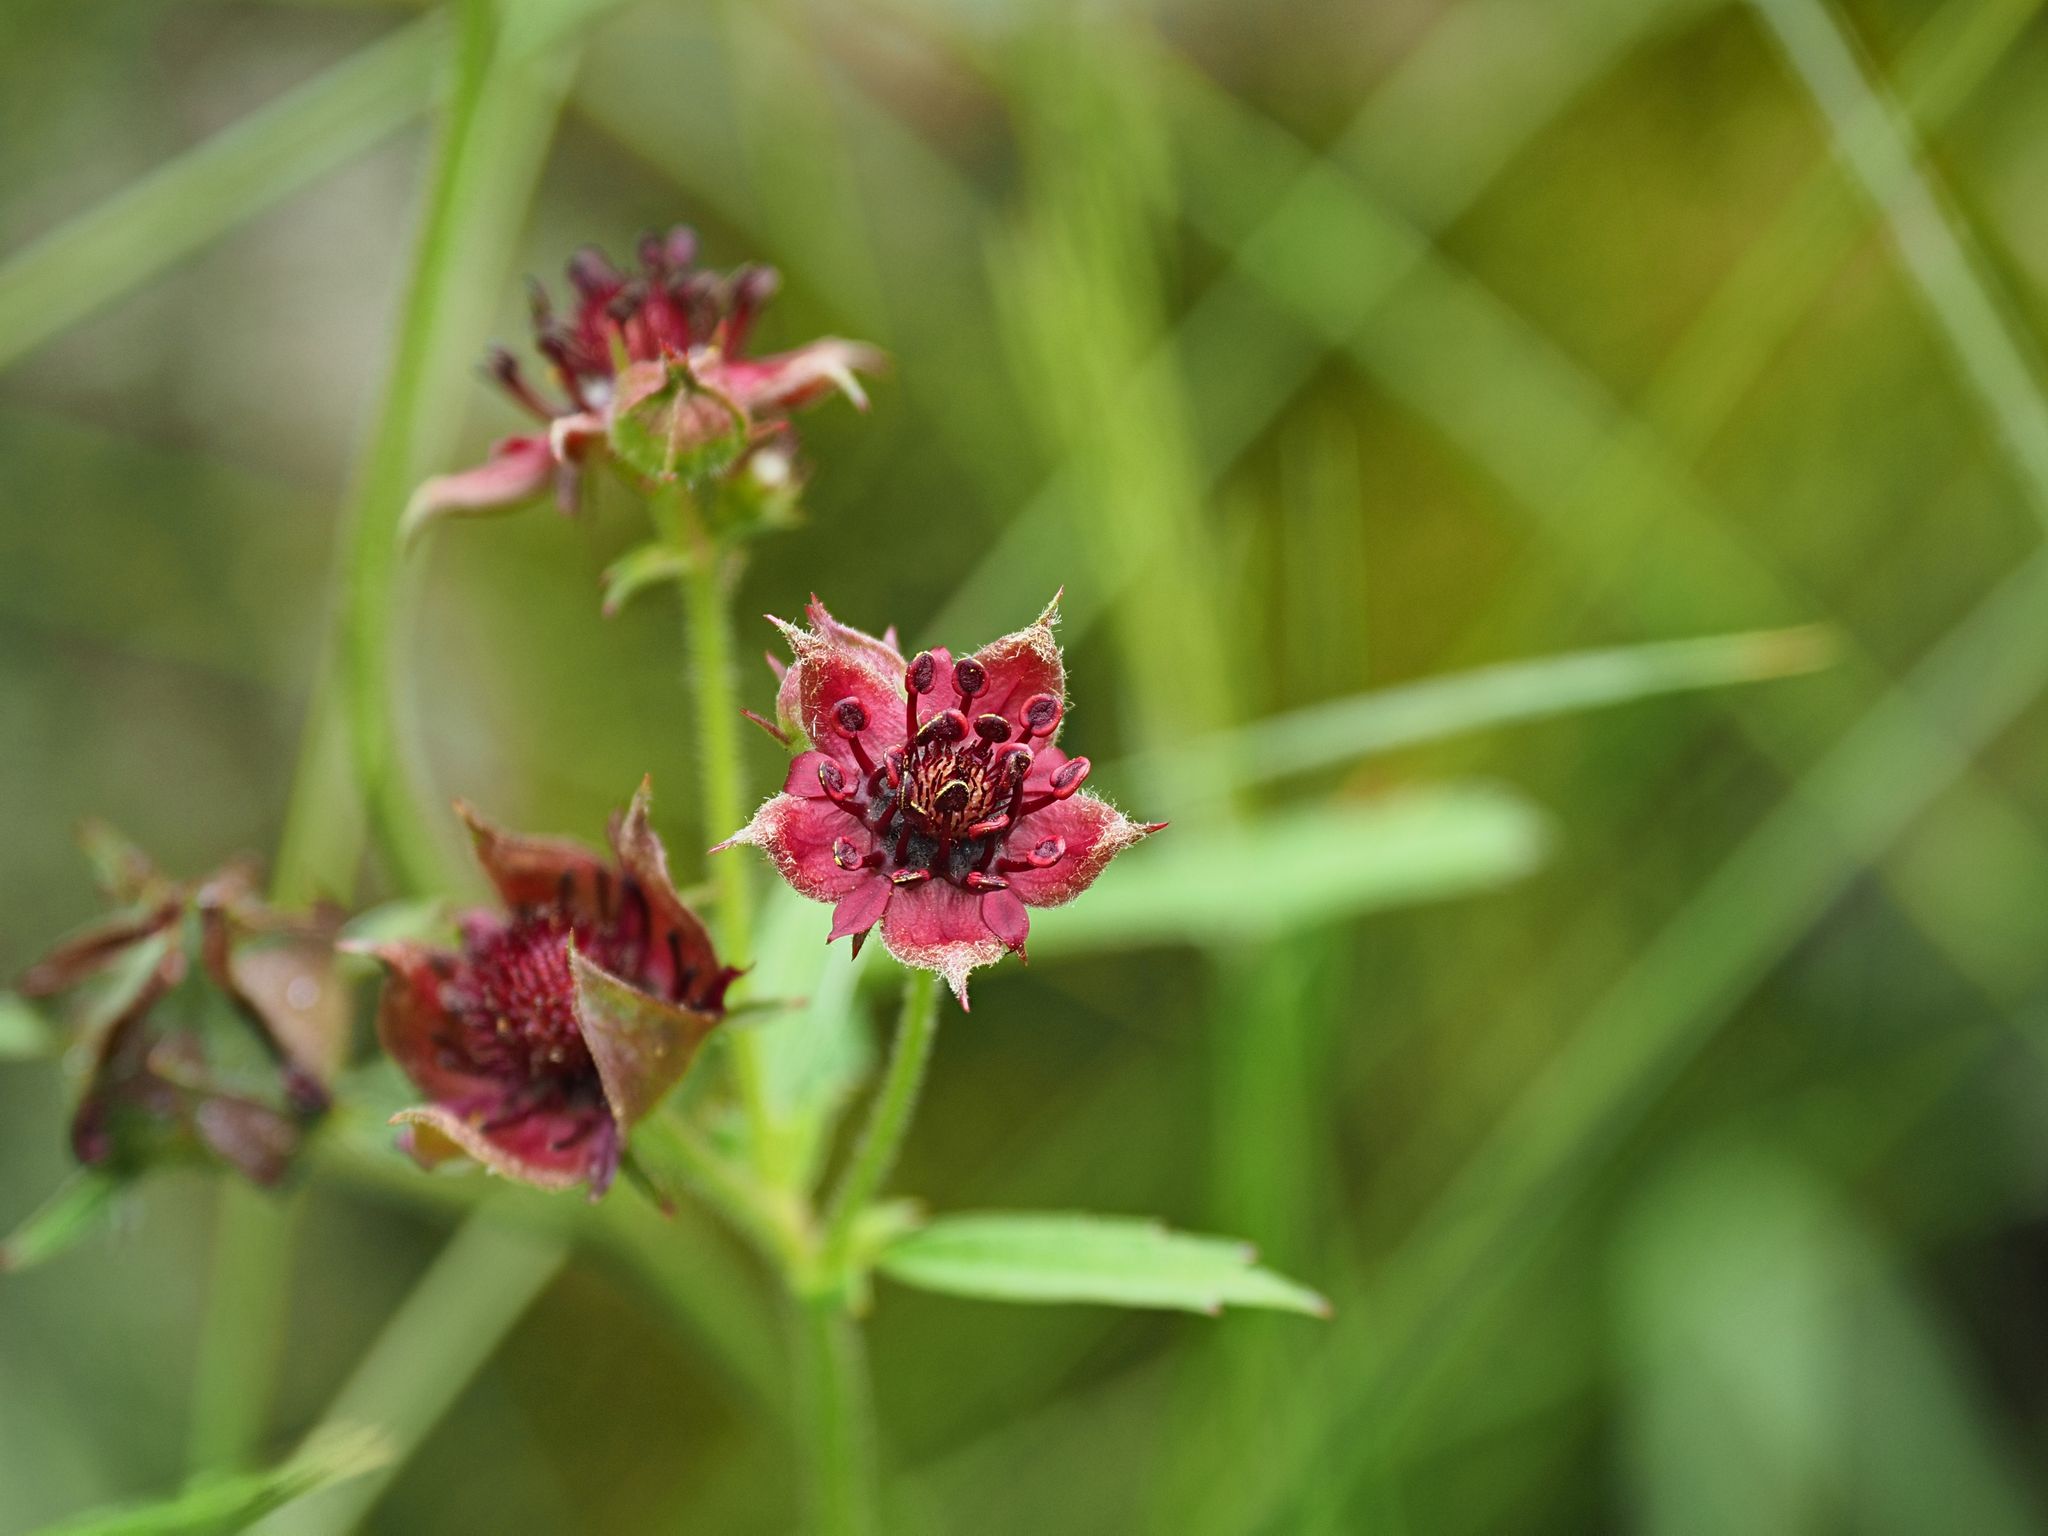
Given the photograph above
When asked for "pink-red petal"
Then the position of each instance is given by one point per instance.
(1021, 666)
(828, 669)
(799, 835)
(1094, 833)
(681, 964)
(938, 927)
(549, 1150)
(535, 872)
(785, 381)
(862, 907)
(518, 470)
(413, 1025)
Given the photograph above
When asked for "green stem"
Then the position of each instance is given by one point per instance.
(888, 1123)
(838, 1419)
(708, 633)
(242, 1331)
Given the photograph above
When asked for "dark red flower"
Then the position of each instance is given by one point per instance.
(209, 1025)
(665, 344)
(931, 798)
(560, 1023)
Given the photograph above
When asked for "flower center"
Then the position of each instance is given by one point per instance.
(947, 804)
(515, 1001)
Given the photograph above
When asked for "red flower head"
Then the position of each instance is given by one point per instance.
(557, 1026)
(932, 799)
(209, 1024)
(658, 354)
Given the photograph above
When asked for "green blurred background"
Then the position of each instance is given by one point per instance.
(1688, 1177)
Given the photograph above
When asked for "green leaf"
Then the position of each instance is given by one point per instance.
(1385, 719)
(1204, 885)
(1121, 1261)
(216, 1502)
(23, 1034)
(80, 1206)
(192, 200)
(648, 565)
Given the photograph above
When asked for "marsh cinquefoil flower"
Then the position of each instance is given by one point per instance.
(931, 798)
(653, 358)
(558, 1025)
(209, 1024)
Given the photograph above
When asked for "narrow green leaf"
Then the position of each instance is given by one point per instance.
(1122, 1261)
(217, 1503)
(23, 1034)
(1385, 719)
(637, 570)
(203, 193)
(80, 1206)
(1203, 885)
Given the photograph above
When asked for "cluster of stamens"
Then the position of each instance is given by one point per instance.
(665, 309)
(946, 803)
(512, 1005)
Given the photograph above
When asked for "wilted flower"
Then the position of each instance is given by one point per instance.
(931, 798)
(209, 1024)
(652, 366)
(557, 1026)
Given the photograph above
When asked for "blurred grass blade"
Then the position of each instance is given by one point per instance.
(82, 1204)
(1121, 1261)
(23, 1033)
(1388, 718)
(182, 206)
(1993, 348)
(1321, 865)
(212, 1505)
(1778, 1377)
(440, 1336)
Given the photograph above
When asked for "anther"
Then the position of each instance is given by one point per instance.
(1069, 776)
(832, 779)
(969, 677)
(949, 727)
(922, 672)
(911, 876)
(846, 856)
(952, 797)
(849, 716)
(992, 728)
(975, 880)
(1048, 853)
(1041, 714)
(989, 828)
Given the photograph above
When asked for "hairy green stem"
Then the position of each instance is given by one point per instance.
(838, 1418)
(708, 624)
(888, 1123)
